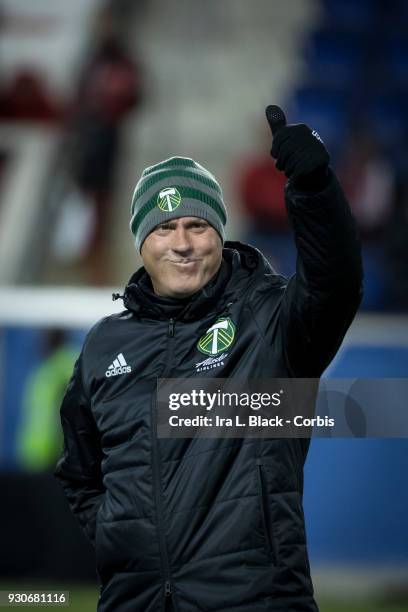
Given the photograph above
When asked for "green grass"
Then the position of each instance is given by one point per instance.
(84, 599)
(333, 606)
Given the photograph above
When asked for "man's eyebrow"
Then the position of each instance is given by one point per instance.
(197, 221)
(170, 222)
(165, 223)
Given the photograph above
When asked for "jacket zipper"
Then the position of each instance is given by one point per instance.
(271, 545)
(156, 476)
(170, 331)
(159, 503)
(169, 355)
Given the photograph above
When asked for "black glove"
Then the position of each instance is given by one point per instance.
(299, 152)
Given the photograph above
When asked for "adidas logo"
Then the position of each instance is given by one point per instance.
(119, 366)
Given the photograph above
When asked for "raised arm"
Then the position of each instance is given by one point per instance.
(321, 299)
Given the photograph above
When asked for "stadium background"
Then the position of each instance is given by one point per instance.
(93, 91)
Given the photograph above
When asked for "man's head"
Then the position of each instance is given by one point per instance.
(181, 256)
(178, 219)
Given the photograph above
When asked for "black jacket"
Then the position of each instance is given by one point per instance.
(208, 524)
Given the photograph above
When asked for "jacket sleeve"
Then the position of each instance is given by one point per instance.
(79, 469)
(321, 299)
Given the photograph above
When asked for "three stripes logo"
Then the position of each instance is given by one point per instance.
(169, 199)
(217, 338)
(119, 366)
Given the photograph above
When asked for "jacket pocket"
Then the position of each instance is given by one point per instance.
(267, 523)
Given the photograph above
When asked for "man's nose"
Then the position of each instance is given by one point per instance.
(181, 240)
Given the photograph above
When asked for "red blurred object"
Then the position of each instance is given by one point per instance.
(27, 98)
(368, 179)
(111, 84)
(261, 188)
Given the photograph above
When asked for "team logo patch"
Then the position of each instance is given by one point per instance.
(169, 199)
(217, 338)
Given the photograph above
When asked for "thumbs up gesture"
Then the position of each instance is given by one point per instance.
(299, 151)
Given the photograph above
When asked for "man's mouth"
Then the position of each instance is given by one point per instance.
(184, 262)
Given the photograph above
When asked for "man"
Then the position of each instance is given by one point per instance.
(203, 524)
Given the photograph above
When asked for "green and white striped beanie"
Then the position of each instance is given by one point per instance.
(176, 187)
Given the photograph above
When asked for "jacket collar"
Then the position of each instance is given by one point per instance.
(240, 262)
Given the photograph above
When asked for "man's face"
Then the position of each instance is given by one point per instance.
(181, 256)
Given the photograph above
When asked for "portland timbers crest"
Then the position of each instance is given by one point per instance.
(217, 338)
(169, 199)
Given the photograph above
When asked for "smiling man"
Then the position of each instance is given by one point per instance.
(181, 256)
(201, 524)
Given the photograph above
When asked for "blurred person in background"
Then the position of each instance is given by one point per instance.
(194, 524)
(368, 179)
(110, 88)
(369, 183)
(39, 440)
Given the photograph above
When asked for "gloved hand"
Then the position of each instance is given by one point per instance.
(299, 152)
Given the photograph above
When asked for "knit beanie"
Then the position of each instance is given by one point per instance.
(176, 187)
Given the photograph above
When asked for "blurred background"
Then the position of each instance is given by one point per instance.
(91, 92)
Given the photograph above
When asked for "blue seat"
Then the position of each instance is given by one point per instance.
(396, 58)
(325, 111)
(335, 59)
(398, 16)
(357, 15)
(388, 119)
